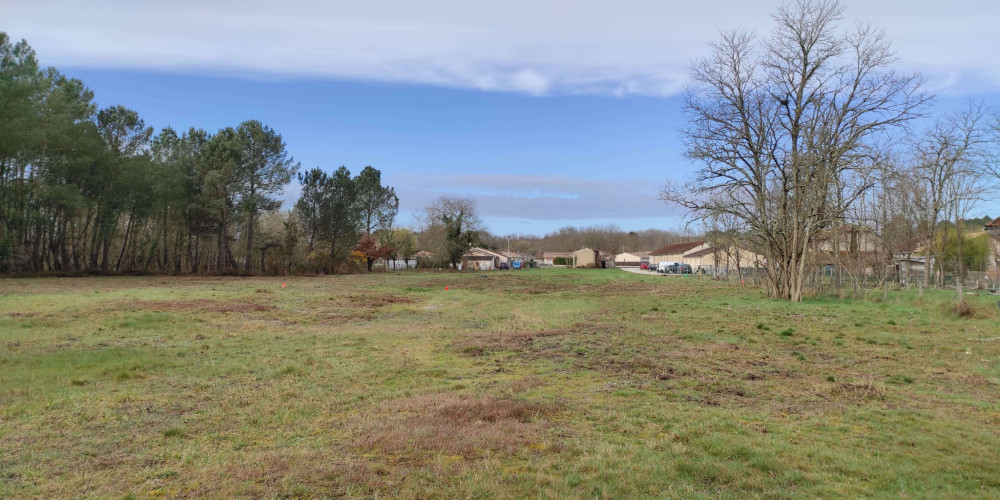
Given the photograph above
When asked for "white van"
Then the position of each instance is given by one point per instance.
(664, 267)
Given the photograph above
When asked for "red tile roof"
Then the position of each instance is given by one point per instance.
(994, 224)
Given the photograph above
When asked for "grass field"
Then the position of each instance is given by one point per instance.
(543, 383)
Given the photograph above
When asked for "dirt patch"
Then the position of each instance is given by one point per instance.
(449, 424)
(482, 343)
(347, 308)
(201, 305)
(372, 301)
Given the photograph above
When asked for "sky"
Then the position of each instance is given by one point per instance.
(546, 113)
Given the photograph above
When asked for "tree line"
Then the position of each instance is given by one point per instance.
(84, 189)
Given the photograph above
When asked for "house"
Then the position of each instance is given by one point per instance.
(631, 259)
(846, 239)
(548, 258)
(675, 252)
(993, 228)
(910, 262)
(587, 258)
(524, 258)
(481, 259)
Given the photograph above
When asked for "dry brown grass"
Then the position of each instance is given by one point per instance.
(527, 383)
(269, 474)
(456, 425)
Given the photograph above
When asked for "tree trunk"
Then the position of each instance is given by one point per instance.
(958, 264)
(927, 261)
(128, 232)
(223, 236)
(248, 265)
(166, 255)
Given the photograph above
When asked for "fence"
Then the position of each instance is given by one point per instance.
(398, 264)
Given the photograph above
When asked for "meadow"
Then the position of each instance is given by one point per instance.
(543, 383)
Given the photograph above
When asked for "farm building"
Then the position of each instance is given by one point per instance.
(675, 252)
(605, 259)
(586, 257)
(719, 260)
(631, 259)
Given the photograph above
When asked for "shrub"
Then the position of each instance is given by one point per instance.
(964, 309)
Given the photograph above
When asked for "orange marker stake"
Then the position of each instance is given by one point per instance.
(283, 285)
(446, 289)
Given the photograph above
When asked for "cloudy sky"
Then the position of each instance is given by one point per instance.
(547, 113)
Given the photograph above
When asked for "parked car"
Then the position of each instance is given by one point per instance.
(645, 266)
(675, 268)
(504, 266)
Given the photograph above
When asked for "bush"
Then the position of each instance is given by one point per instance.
(964, 309)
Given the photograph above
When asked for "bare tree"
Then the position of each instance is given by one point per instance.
(788, 130)
(947, 165)
(894, 216)
(731, 248)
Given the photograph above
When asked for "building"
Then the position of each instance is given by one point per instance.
(482, 259)
(524, 258)
(587, 258)
(846, 239)
(675, 252)
(631, 259)
(993, 270)
(549, 258)
(993, 228)
(909, 262)
(703, 259)
(720, 260)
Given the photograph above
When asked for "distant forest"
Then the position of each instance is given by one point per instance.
(96, 190)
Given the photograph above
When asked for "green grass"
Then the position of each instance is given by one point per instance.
(551, 383)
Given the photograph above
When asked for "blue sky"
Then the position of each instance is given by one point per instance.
(509, 151)
(548, 115)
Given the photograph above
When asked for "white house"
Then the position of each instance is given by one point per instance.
(482, 259)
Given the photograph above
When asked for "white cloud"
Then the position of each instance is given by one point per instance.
(530, 46)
